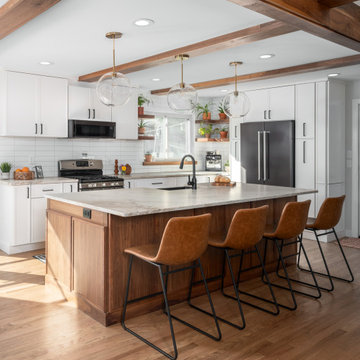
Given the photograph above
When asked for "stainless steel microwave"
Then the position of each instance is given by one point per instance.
(91, 129)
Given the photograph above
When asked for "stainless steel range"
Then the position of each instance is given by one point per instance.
(90, 174)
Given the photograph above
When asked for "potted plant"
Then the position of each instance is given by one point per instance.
(224, 132)
(221, 110)
(205, 130)
(141, 127)
(227, 167)
(141, 101)
(5, 168)
(202, 110)
(148, 156)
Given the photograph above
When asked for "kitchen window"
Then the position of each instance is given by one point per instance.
(172, 137)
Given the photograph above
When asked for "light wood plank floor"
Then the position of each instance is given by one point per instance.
(36, 323)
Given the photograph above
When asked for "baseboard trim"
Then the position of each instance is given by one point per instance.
(24, 248)
(308, 234)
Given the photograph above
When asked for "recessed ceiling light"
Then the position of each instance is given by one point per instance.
(333, 75)
(224, 90)
(266, 56)
(45, 63)
(144, 22)
(155, 79)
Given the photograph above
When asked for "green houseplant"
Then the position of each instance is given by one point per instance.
(141, 127)
(5, 168)
(221, 110)
(224, 132)
(148, 156)
(227, 167)
(142, 100)
(203, 110)
(205, 130)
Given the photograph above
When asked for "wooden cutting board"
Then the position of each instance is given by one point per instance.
(231, 183)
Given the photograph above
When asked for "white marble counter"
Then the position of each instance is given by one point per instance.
(143, 201)
(159, 174)
(46, 180)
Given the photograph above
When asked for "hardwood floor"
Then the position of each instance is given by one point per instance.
(36, 323)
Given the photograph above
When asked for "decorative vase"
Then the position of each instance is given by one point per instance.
(223, 134)
(148, 157)
(5, 175)
(204, 116)
(128, 169)
(222, 116)
(208, 116)
(140, 110)
(141, 130)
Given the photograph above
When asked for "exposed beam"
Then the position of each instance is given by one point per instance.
(234, 39)
(339, 25)
(16, 13)
(270, 74)
(335, 3)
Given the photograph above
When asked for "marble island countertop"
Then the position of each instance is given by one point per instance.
(144, 201)
(46, 180)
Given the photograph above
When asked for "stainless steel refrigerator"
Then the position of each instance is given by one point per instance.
(268, 152)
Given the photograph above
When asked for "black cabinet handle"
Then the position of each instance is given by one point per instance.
(93, 113)
(28, 192)
(71, 188)
(41, 129)
(269, 114)
(304, 131)
(265, 114)
(88, 113)
(304, 152)
(36, 129)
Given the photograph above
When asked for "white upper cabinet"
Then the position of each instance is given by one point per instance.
(33, 105)
(126, 118)
(272, 104)
(305, 111)
(85, 105)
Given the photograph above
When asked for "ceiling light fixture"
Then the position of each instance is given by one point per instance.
(182, 97)
(333, 75)
(224, 90)
(236, 103)
(45, 63)
(266, 56)
(113, 88)
(143, 22)
(155, 79)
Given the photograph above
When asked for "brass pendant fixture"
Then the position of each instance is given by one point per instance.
(114, 88)
(181, 97)
(236, 103)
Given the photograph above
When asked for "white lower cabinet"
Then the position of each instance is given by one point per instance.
(156, 183)
(38, 219)
(70, 187)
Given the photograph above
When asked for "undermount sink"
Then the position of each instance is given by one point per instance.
(176, 188)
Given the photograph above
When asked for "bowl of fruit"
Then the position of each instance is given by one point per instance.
(24, 174)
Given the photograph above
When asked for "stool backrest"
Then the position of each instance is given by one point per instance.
(329, 213)
(184, 239)
(292, 220)
(247, 228)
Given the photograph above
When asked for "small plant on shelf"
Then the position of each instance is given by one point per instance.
(227, 167)
(222, 109)
(203, 110)
(206, 130)
(224, 132)
(141, 127)
(5, 168)
(148, 156)
(142, 100)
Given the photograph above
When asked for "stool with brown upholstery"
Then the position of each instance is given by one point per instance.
(291, 225)
(245, 231)
(328, 217)
(184, 240)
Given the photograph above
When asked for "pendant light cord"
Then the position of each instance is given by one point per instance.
(114, 55)
(236, 90)
(182, 72)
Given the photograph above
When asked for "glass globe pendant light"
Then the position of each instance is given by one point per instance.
(236, 103)
(182, 97)
(113, 88)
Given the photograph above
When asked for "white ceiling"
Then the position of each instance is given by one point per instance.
(72, 35)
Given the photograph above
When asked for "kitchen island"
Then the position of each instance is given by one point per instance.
(87, 233)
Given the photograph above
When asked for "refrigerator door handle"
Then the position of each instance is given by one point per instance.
(265, 154)
(259, 155)
(304, 152)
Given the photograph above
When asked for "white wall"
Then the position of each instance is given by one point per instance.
(352, 92)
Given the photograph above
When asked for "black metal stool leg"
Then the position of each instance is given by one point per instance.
(347, 263)
(167, 311)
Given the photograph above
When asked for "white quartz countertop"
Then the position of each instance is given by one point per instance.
(46, 180)
(143, 201)
(158, 174)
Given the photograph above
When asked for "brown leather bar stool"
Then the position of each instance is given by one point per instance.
(328, 217)
(291, 225)
(245, 231)
(184, 240)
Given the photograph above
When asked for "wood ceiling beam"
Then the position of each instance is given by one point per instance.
(335, 3)
(270, 74)
(227, 41)
(339, 25)
(16, 13)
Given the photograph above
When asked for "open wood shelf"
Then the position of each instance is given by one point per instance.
(143, 137)
(166, 162)
(146, 116)
(211, 140)
(225, 121)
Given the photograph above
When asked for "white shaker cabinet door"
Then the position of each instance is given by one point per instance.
(305, 111)
(282, 103)
(38, 219)
(70, 187)
(99, 111)
(259, 105)
(21, 215)
(79, 103)
(53, 107)
(22, 104)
